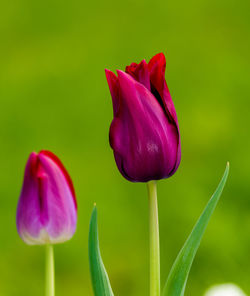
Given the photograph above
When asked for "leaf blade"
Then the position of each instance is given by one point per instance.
(100, 281)
(177, 279)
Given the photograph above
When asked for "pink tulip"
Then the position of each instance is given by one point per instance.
(47, 208)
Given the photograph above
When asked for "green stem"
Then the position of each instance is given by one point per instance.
(154, 240)
(49, 272)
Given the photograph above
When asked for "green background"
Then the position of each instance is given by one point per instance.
(54, 96)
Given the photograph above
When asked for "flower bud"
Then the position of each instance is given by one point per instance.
(144, 133)
(47, 209)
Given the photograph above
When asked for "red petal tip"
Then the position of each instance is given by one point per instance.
(54, 158)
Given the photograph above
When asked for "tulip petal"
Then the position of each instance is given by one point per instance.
(114, 89)
(131, 91)
(140, 72)
(28, 210)
(157, 67)
(61, 166)
(60, 204)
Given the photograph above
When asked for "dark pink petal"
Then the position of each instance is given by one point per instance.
(114, 89)
(128, 90)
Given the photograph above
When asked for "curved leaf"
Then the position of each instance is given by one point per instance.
(99, 276)
(177, 279)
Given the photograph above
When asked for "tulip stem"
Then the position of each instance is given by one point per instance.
(49, 272)
(154, 240)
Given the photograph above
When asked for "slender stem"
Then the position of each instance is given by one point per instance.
(154, 240)
(49, 272)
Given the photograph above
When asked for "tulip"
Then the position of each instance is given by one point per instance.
(144, 133)
(47, 209)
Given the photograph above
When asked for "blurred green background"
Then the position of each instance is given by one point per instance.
(54, 96)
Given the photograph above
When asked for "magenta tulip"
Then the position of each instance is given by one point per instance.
(144, 133)
(47, 209)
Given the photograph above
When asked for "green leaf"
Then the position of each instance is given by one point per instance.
(99, 276)
(177, 279)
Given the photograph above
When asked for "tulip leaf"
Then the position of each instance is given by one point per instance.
(177, 279)
(99, 276)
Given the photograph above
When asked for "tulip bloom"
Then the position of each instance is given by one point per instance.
(47, 209)
(144, 133)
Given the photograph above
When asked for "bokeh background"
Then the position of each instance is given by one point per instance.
(54, 95)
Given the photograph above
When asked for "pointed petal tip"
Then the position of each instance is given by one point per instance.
(123, 75)
(33, 154)
(120, 72)
(44, 152)
(160, 55)
(107, 71)
(125, 80)
(143, 65)
(159, 58)
(31, 165)
(110, 76)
